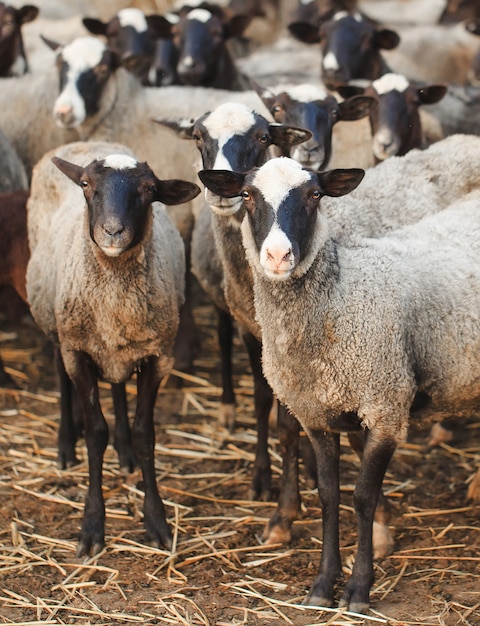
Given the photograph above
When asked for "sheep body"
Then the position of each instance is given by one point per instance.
(142, 296)
(402, 190)
(373, 305)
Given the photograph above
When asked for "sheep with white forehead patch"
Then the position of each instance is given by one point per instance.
(366, 338)
(233, 136)
(106, 282)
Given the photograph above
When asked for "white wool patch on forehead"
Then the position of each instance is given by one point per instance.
(307, 92)
(173, 18)
(83, 53)
(201, 15)
(390, 82)
(307, 1)
(120, 162)
(341, 14)
(133, 17)
(330, 61)
(229, 118)
(277, 177)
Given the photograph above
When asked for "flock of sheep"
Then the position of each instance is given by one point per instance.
(324, 213)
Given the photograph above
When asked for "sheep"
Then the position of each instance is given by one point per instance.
(314, 108)
(203, 57)
(13, 58)
(234, 136)
(395, 122)
(362, 338)
(433, 53)
(133, 35)
(105, 283)
(15, 253)
(350, 46)
(13, 174)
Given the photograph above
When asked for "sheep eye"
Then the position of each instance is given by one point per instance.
(246, 195)
(263, 138)
(196, 137)
(277, 108)
(84, 184)
(316, 195)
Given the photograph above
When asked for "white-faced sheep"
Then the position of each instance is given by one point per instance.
(109, 295)
(234, 136)
(363, 338)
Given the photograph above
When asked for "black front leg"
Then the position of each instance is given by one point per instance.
(92, 534)
(327, 453)
(122, 438)
(376, 457)
(263, 401)
(279, 529)
(158, 531)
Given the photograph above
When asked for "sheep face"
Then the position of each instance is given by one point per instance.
(131, 34)
(311, 107)
(281, 200)
(395, 122)
(84, 67)
(119, 192)
(199, 38)
(233, 137)
(350, 46)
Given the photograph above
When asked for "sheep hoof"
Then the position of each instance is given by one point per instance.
(354, 607)
(277, 534)
(439, 434)
(227, 416)
(474, 488)
(313, 600)
(383, 542)
(85, 548)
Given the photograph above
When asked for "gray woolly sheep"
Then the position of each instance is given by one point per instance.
(106, 282)
(364, 338)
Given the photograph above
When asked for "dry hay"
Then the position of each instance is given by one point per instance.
(218, 571)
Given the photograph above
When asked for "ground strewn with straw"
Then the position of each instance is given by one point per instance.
(218, 572)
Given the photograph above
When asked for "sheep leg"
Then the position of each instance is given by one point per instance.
(382, 538)
(376, 457)
(158, 531)
(122, 438)
(5, 379)
(67, 433)
(326, 446)
(263, 401)
(288, 509)
(225, 340)
(92, 534)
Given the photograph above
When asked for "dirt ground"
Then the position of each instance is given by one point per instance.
(218, 573)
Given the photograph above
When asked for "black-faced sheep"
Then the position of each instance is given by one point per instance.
(109, 295)
(363, 338)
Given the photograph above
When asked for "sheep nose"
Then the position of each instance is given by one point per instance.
(113, 228)
(64, 112)
(277, 257)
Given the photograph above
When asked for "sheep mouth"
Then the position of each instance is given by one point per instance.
(112, 251)
(278, 274)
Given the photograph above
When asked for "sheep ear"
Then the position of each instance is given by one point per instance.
(303, 31)
(431, 93)
(74, 172)
(53, 45)
(176, 191)
(183, 128)
(386, 39)
(267, 97)
(340, 182)
(27, 13)
(94, 26)
(356, 107)
(285, 136)
(223, 183)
